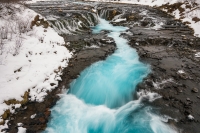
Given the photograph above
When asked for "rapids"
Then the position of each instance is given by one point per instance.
(101, 99)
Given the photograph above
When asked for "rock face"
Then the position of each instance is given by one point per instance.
(169, 49)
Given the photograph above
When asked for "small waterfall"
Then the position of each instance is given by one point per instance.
(75, 24)
(104, 13)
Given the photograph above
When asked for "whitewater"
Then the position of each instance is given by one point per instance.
(101, 99)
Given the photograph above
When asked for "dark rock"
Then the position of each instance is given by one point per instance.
(195, 90)
(42, 120)
(52, 84)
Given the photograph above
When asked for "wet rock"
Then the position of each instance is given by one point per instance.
(195, 90)
(52, 84)
(149, 83)
(188, 99)
(42, 120)
(183, 75)
(180, 90)
(47, 113)
(147, 22)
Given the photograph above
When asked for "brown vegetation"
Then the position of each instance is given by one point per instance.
(196, 19)
(173, 7)
(39, 22)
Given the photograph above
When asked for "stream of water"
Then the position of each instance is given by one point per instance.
(101, 99)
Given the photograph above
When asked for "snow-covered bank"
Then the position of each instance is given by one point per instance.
(31, 60)
(186, 10)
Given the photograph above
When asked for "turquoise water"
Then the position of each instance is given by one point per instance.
(101, 99)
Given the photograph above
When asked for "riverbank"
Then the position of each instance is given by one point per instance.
(172, 50)
(37, 114)
(172, 53)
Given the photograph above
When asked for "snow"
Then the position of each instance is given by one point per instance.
(35, 66)
(141, 2)
(181, 71)
(120, 20)
(20, 124)
(92, 46)
(33, 116)
(190, 117)
(21, 130)
(197, 54)
(34, 1)
(186, 16)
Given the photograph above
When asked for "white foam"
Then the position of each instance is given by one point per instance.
(158, 84)
(149, 96)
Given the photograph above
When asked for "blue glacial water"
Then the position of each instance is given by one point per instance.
(101, 99)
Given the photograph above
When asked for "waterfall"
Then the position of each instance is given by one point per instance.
(75, 25)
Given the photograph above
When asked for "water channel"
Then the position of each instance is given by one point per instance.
(101, 99)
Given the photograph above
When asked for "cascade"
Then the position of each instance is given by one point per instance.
(101, 99)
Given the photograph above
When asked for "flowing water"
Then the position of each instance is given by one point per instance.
(101, 99)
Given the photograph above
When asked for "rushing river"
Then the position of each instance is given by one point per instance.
(101, 99)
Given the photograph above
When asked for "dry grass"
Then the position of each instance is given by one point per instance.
(196, 19)
(173, 7)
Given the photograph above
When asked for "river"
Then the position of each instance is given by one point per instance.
(102, 99)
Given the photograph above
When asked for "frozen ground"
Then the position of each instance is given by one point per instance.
(31, 60)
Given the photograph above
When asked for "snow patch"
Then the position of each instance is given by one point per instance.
(119, 20)
(33, 116)
(190, 117)
(92, 46)
(21, 130)
(197, 54)
(180, 71)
